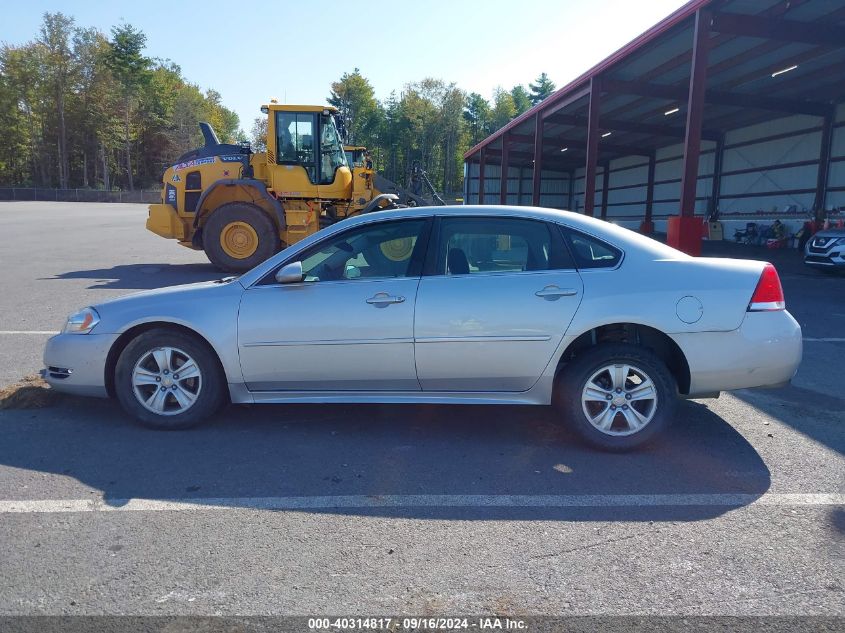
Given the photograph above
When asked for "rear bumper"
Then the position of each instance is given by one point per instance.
(76, 363)
(164, 221)
(764, 351)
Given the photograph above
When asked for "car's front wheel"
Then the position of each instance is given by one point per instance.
(617, 396)
(169, 380)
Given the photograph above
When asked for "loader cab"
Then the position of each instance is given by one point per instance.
(357, 157)
(305, 154)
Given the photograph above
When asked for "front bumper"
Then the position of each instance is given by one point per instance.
(764, 351)
(76, 363)
(832, 256)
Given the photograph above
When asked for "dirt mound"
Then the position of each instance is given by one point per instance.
(31, 392)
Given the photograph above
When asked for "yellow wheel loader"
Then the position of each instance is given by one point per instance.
(242, 207)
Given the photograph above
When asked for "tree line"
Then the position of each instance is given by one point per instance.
(79, 108)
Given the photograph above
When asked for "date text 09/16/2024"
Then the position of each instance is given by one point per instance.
(415, 624)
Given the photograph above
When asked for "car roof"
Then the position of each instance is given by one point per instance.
(614, 233)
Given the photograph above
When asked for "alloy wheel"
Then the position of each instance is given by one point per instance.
(619, 399)
(166, 381)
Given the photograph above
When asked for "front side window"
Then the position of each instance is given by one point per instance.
(488, 245)
(295, 140)
(379, 251)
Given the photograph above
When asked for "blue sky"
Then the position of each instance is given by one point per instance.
(292, 51)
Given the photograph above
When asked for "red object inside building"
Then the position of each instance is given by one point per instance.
(684, 233)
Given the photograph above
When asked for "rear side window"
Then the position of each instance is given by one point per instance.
(506, 245)
(591, 252)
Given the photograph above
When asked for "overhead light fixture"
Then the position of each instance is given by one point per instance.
(672, 111)
(606, 134)
(784, 70)
(563, 149)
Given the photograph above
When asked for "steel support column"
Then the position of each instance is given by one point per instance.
(695, 113)
(503, 187)
(482, 167)
(592, 147)
(538, 160)
(647, 227)
(605, 183)
(716, 190)
(684, 231)
(824, 161)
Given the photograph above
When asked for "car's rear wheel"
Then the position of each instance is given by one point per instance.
(617, 396)
(169, 380)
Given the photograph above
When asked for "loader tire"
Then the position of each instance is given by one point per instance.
(238, 236)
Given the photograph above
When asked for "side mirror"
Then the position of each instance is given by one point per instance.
(290, 273)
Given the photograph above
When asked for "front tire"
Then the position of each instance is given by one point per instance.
(238, 236)
(169, 380)
(617, 396)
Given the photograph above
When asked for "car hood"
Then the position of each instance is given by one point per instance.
(177, 304)
(830, 233)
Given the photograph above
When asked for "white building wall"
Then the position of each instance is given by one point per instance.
(763, 186)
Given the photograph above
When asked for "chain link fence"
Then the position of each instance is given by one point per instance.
(77, 195)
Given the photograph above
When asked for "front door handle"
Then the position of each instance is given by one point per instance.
(551, 292)
(382, 298)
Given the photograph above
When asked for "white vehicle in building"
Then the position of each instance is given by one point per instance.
(477, 305)
(826, 250)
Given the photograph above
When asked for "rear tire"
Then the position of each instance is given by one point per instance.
(617, 396)
(149, 386)
(238, 236)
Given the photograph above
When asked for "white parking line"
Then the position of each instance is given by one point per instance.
(28, 332)
(47, 506)
(824, 340)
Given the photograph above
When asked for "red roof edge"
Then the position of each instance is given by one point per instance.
(655, 31)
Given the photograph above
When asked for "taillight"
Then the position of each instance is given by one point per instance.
(769, 294)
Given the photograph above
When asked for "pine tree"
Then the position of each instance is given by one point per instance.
(541, 88)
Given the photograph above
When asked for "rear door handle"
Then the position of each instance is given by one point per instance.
(552, 292)
(382, 298)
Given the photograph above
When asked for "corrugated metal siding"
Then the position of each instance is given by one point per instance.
(764, 184)
(768, 187)
(836, 176)
(554, 186)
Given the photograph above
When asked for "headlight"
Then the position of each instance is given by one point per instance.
(82, 322)
(841, 241)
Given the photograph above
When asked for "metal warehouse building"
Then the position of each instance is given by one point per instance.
(728, 106)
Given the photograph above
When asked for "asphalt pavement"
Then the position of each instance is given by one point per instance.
(419, 510)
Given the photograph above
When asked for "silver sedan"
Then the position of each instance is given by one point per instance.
(475, 305)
